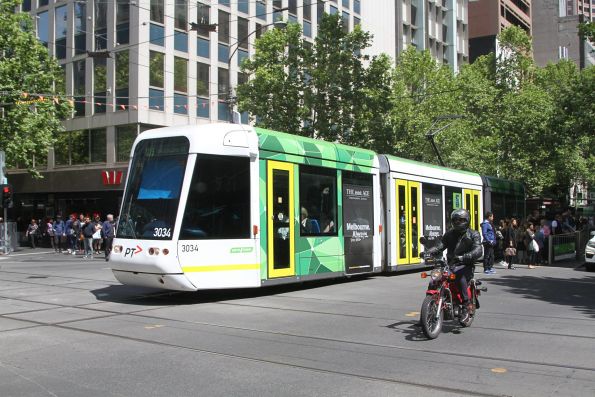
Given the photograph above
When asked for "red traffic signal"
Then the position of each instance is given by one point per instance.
(6, 195)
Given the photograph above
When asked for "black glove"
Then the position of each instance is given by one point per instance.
(459, 259)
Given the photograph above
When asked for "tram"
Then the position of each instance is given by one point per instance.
(232, 206)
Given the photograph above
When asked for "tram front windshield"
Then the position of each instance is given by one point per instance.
(153, 191)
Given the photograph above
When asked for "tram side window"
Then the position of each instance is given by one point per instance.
(318, 201)
(218, 205)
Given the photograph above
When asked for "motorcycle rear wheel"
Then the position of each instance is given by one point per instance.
(429, 324)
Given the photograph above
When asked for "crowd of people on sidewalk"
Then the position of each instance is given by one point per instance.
(515, 242)
(80, 234)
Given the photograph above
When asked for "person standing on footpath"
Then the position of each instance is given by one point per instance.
(489, 242)
(107, 232)
(32, 232)
(59, 233)
(70, 233)
(88, 231)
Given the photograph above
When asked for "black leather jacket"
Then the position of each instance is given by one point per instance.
(467, 245)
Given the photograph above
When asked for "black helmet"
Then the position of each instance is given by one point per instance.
(460, 219)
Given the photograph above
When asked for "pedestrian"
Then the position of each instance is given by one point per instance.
(78, 226)
(489, 242)
(71, 234)
(545, 230)
(31, 232)
(499, 248)
(531, 245)
(59, 233)
(520, 244)
(107, 232)
(88, 231)
(49, 227)
(97, 234)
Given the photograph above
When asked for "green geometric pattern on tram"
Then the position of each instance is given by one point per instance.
(316, 255)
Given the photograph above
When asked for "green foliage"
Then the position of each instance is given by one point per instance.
(586, 30)
(30, 121)
(519, 122)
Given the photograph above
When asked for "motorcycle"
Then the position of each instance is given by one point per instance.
(443, 299)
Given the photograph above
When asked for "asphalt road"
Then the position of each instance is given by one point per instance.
(67, 328)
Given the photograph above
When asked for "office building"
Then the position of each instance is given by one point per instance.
(440, 26)
(487, 18)
(133, 66)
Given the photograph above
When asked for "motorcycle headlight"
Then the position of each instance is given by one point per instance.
(436, 274)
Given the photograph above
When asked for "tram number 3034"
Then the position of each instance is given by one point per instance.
(162, 232)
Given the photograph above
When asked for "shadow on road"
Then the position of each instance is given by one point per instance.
(578, 293)
(154, 297)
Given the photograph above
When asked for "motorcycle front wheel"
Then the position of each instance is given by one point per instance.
(429, 323)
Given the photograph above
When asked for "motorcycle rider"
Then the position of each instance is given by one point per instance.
(464, 248)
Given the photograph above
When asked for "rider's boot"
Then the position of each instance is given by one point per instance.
(471, 308)
(464, 313)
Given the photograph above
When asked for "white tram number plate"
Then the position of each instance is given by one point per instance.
(162, 232)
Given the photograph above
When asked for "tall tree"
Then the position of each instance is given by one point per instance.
(30, 96)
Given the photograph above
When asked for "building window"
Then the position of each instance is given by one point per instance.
(156, 69)
(156, 99)
(156, 73)
(357, 6)
(180, 41)
(261, 10)
(223, 52)
(125, 136)
(319, 11)
(180, 103)
(333, 10)
(97, 145)
(43, 27)
(78, 74)
(80, 28)
(243, 33)
(202, 79)
(307, 29)
(181, 15)
(157, 14)
(244, 6)
(79, 147)
(122, 77)
(318, 201)
(202, 108)
(223, 81)
(100, 25)
(224, 2)
(100, 84)
(223, 27)
(222, 111)
(292, 6)
(122, 22)
(203, 18)
(307, 11)
(180, 74)
(345, 4)
(43, 3)
(203, 48)
(157, 35)
(26, 5)
(242, 54)
(61, 23)
(345, 22)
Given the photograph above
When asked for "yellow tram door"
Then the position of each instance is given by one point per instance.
(280, 223)
(471, 204)
(408, 197)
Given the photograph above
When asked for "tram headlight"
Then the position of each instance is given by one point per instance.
(117, 249)
(153, 251)
(436, 274)
(165, 251)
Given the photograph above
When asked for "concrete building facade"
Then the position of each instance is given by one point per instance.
(440, 26)
(488, 17)
(133, 66)
(555, 32)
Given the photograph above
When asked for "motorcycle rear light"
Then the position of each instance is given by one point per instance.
(424, 275)
(117, 249)
(452, 277)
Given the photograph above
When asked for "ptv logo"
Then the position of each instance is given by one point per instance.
(132, 251)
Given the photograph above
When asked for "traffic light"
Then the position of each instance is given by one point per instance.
(6, 195)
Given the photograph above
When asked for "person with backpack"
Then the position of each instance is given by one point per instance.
(49, 227)
(59, 233)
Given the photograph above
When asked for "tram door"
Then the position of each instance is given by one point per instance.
(472, 205)
(408, 223)
(280, 211)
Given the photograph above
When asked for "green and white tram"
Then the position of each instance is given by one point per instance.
(226, 205)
